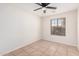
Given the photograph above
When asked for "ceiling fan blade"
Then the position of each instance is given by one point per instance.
(47, 3)
(51, 7)
(37, 9)
(38, 4)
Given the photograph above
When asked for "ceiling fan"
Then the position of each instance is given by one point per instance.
(44, 6)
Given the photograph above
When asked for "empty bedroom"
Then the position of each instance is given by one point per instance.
(39, 29)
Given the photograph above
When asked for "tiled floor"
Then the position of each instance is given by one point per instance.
(45, 48)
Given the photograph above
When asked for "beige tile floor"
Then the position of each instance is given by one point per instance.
(45, 48)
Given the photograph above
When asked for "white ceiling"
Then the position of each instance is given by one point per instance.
(61, 7)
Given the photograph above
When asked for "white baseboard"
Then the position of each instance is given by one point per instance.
(62, 43)
(24, 44)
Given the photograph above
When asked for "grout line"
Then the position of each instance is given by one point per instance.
(55, 51)
(67, 51)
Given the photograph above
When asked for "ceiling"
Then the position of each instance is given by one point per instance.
(61, 7)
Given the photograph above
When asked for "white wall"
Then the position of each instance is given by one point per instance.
(78, 28)
(17, 27)
(71, 28)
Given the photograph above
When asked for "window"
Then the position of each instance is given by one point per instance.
(58, 26)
